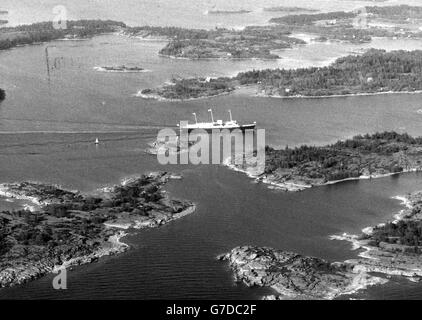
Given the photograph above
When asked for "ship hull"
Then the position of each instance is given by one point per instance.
(218, 128)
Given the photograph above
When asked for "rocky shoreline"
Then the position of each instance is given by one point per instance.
(158, 97)
(274, 182)
(360, 158)
(156, 94)
(22, 272)
(173, 146)
(188, 90)
(294, 276)
(388, 247)
(68, 228)
(359, 94)
(290, 82)
(299, 277)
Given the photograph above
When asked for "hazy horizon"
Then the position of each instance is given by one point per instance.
(170, 13)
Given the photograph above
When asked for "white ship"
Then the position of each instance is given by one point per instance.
(218, 124)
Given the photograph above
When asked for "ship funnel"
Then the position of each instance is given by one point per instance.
(212, 117)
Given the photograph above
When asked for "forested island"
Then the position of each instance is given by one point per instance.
(309, 19)
(394, 247)
(66, 228)
(405, 233)
(219, 43)
(258, 42)
(188, 89)
(374, 72)
(401, 13)
(261, 42)
(355, 26)
(367, 156)
(2, 94)
(388, 249)
(44, 31)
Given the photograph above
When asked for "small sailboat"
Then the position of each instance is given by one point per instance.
(97, 142)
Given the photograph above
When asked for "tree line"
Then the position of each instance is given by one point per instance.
(45, 31)
(374, 71)
(307, 19)
(343, 159)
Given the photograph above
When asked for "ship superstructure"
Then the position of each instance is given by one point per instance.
(218, 124)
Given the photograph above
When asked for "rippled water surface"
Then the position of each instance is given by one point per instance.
(48, 124)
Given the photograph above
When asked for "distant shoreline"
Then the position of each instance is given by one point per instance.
(103, 69)
(260, 95)
(160, 98)
(168, 56)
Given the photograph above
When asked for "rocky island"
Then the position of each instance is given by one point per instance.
(172, 146)
(392, 248)
(257, 42)
(121, 68)
(389, 249)
(65, 228)
(374, 72)
(294, 276)
(262, 42)
(252, 42)
(11, 37)
(400, 14)
(362, 157)
(188, 89)
(357, 26)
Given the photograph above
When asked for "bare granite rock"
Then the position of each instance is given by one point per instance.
(392, 248)
(68, 228)
(295, 276)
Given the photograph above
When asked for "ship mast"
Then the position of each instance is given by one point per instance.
(230, 113)
(196, 119)
(212, 117)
